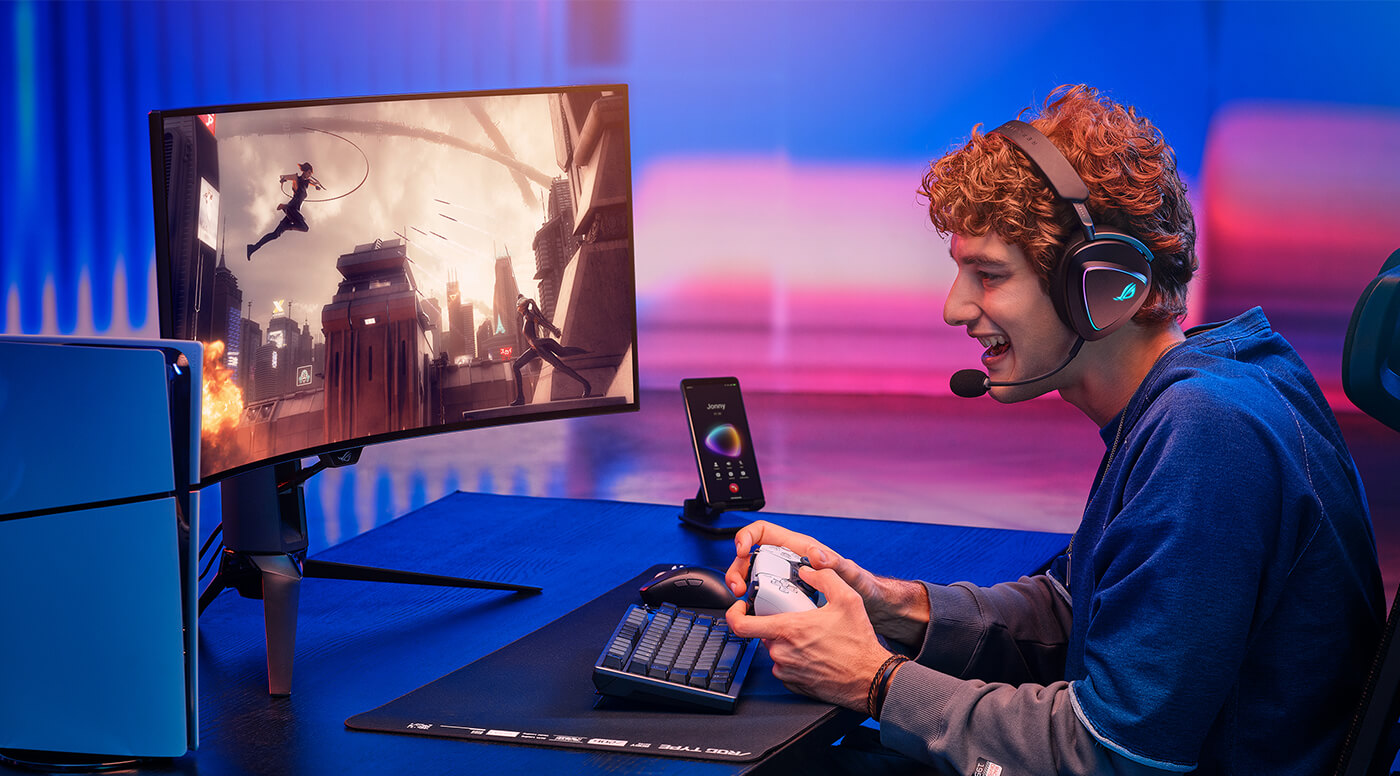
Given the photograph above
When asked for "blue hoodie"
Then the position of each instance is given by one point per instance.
(1217, 611)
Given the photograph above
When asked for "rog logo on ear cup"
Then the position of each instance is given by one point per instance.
(1098, 285)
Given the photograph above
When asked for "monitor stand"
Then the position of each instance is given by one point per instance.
(264, 556)
(702, 517)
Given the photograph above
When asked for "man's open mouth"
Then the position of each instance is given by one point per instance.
(995, 345)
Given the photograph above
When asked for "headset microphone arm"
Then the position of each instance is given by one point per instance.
(966, 382)
(1074, 351)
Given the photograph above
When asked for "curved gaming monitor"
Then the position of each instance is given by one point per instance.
(377, 268)
(353, 266)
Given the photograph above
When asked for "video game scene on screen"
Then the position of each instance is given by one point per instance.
(372, 267)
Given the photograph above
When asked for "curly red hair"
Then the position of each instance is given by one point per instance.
(988, 185)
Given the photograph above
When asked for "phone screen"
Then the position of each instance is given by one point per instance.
(724, 450)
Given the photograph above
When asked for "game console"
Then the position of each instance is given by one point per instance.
(99, 445)
(774, 584)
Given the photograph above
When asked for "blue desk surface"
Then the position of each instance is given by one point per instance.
(362, 644)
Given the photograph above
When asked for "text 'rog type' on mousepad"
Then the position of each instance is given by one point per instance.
(538, 691)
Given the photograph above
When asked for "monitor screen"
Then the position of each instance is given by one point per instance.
(369, 269)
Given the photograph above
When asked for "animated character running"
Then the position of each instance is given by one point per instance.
(291, 211)
(531, 319)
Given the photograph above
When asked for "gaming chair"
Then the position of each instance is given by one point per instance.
(1370, 359)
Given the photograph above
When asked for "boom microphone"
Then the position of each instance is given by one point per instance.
(971, 383)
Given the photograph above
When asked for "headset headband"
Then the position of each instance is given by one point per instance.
(1053, 166)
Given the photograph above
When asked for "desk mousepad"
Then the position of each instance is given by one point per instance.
(538, 691)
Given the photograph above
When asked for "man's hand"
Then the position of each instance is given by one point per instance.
(818, 554)
(830, 653)
(897, 609)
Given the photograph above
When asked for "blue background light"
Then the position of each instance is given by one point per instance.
(846, 83)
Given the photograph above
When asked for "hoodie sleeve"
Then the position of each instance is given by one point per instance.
(1013, 632)
(972, 728)
(985, 688)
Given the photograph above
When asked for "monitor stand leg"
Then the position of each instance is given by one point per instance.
(276, 579)
(324, 569)
(264, 531)
(281, 593)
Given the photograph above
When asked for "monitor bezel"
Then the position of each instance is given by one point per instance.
(156, 119)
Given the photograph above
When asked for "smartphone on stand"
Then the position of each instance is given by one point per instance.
(724, 456)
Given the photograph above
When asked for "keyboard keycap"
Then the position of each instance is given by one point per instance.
(645, 653)
(728, 663)
(690, 650)
(670, 647)
(626, 637)
(674, 656)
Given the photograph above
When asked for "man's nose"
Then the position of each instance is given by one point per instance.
(959, 308)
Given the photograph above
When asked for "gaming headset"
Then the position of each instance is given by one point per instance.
(1104, 275)
(1371, 352)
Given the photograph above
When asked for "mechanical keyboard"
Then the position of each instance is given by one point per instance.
(673, 656)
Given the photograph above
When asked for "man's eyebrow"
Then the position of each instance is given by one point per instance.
(980, 260)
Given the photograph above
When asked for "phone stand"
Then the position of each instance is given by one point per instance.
(696, 514)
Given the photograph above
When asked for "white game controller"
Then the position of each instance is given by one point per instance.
(774, 586)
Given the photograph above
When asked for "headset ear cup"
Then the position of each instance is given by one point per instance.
(1105, 282)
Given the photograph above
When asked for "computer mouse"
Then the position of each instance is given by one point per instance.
(689, 587)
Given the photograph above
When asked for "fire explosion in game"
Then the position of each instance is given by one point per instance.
(221, 404)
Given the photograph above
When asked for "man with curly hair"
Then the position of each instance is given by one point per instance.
(1221, 596)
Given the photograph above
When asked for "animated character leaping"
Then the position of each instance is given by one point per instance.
(291, 210)
(547, 348)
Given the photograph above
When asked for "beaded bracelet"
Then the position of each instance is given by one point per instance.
(880, 685)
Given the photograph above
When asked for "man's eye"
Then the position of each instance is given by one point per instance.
(988, 277)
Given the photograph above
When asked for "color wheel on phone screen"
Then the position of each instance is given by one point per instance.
(724, 440)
